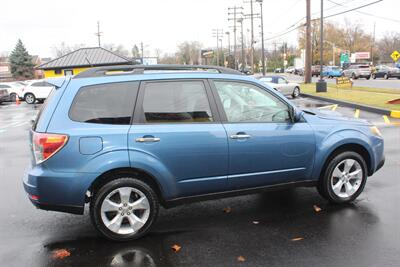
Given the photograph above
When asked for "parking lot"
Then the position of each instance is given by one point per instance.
(278, 228)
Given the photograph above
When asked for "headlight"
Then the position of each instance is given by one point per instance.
(375, 131)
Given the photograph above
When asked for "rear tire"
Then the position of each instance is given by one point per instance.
(114, 213)
(30, 98)
(386, 76)
(344, 178)
(13, 97)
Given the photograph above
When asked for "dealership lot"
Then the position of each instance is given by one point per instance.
(278, 228)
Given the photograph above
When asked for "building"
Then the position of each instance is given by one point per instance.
(5, 69)
(80, 60)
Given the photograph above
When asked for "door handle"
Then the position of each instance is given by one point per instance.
(147, 139)
(240, 136)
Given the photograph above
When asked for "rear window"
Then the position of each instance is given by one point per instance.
(48, 99)
(363, 67)
(111, 103)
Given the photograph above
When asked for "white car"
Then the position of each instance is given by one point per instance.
(37, 90)
(14, 89)
(282, 85)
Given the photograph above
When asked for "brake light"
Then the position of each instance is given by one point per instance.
(45, 145)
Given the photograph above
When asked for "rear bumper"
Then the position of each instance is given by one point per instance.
(57, 191)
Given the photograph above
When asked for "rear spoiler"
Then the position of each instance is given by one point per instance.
(57, 82)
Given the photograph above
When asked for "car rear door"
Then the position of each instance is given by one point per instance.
(265, 146)
(284, 87)
(177, 135)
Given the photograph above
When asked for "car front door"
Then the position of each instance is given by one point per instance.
(265, 146)
(178, 136)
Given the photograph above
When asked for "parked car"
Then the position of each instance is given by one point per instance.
(299, 71)
(358, 71)
(282, 85)
(278, 70)
(127, 139)
(14, 89)
(332, 71)
(290, 70)
(315, 70)
(4, 95)
(37, 90)
(386, 72)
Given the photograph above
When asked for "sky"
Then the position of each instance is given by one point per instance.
(163, 24)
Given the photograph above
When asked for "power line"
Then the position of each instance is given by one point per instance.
(365, 13)
(325, 17)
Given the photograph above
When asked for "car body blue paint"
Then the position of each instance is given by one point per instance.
(332, 72)
(190, 159)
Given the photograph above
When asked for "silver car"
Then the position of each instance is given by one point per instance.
(282, 85)
(358, 71)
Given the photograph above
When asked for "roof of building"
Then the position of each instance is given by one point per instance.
(86, 57)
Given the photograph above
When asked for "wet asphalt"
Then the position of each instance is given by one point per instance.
(278, 228)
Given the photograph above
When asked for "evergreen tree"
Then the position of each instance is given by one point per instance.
(21, 62)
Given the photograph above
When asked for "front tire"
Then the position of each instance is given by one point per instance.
(30, 98)
(296, 92)
(124, 209)
(344, 178)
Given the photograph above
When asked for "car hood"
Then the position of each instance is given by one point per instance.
(330, 115)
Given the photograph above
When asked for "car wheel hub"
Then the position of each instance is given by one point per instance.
(125, 210)
(346, 178)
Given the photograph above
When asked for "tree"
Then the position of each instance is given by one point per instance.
(63, 49)
(21, 62)
(189, 52)
(387, 44)
(135, 52)
(118, 49)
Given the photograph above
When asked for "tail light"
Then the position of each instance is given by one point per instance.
(45, 145)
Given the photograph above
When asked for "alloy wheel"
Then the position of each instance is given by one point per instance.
(346, 178)
(125, 210)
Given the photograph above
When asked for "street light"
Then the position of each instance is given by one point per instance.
(321, 84)
(262, 37)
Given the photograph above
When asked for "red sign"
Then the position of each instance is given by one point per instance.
(362, 55)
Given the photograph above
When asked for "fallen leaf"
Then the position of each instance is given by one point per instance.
(176, 248)
(256, 222)
(61, 253)
(241, 259)
(227, 209)
(316, 208)
(297, 239)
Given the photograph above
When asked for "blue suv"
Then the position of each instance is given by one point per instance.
(127, 139)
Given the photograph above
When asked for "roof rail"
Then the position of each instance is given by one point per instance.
(140, 69)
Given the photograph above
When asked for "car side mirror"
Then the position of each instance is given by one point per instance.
(297, 114)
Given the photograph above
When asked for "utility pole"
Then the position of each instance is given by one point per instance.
(321, 84)
(251, 15)
(373, 45)
(216, 34)
(242, 40)
(235, 19)
(229, 42)
(262, 37)
(307, 67)
(98, 33)
(142, 51)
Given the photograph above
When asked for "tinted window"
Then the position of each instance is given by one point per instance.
(244, 102)
(105, 103)
(176, 102)
(281, 80)
(4, 86)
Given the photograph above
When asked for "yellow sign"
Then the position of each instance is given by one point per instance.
(395, 55)
(343, 82)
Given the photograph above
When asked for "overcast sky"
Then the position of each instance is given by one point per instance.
(161, 24)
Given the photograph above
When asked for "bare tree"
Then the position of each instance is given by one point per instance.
(63, 49)
(189, 52)
(387, 44)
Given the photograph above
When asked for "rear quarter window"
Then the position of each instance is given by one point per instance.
(111, 103)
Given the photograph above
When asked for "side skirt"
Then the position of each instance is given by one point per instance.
(190, 199)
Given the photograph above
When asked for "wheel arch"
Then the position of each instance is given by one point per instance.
(354, 147)
(139, 174)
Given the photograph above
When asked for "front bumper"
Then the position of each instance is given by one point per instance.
(57, 191)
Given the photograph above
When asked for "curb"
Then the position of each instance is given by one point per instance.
(387, 112)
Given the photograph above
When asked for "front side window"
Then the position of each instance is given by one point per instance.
(111, 103)
(176, 102)
(244, 102)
